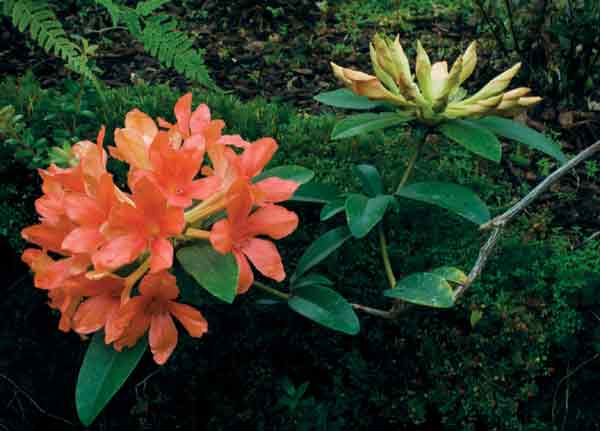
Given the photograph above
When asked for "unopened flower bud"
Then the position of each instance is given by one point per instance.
(399, 56)
(529, 101)
(383, 55)
(384, 77)
(496, 85)
(423, 72)
(516, 93)
(469, 60)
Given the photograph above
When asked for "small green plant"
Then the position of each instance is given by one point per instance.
(157, 32)
(45, 28)
(292, 398)
(592, 168)
(18, 141)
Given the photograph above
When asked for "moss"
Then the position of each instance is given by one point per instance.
(537, 297)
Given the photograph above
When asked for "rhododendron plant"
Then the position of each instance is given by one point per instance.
(196, 199)
(430, 102)
(437, 94)
(106, 254)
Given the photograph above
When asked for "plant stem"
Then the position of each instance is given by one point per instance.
(197, 233)
(133, 278)
(411, 165)
(386, 258)
(205, 208)
(382, 242)
(368, 310)
(512, 25)
(272, 291)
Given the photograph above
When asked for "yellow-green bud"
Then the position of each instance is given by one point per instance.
(383, 76)
(495, 86)
(469, 60)
(423, 72)
(401, 60)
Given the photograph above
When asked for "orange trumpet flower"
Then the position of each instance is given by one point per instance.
(237, 234)
(132, 229)
(153, 309)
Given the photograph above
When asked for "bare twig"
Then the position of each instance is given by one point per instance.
(33, 402)
(144, 382)
(504, 218)
(498, 223)
(386, 314)
(568, 376)
(484, 254)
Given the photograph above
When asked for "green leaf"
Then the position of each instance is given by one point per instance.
(474, 138)
(311, 280)
(364, 213)
(217, 273)
(344, 98)
(370, 179)
(475, 317)
(517, 132)
(423, 288)
(332, 208)
(103, 372)
(326, 307)
(299, 174)
(457, 199)
(452, 274)
(365, 123)
(315, 193)
(320, 249)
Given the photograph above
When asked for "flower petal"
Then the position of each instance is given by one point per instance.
(127, 321)
(161, 285)
(143, 124)
(190, 318)
(119, 251)
(195, 142)
(131, 148)
(239, 202)
(246, 277)
(161, 257)
(200, 118)
(172, 221)
(264, 256)
(137, 327)
(84, 210)
(276, 189)
(49, 237)
(233, 140)
(183, 111)
(83, 240)
(257, 155)
(274, 221)
(163, 337)
(91, 315)
(204, 187)
(221, 236)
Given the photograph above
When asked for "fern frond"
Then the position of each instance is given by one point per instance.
(114, 10)
(174, 49)
(145, 8)
(45, 28)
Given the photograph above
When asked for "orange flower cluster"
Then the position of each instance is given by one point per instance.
(89, 228)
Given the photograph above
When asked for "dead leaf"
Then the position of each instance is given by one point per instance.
(566, 119)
